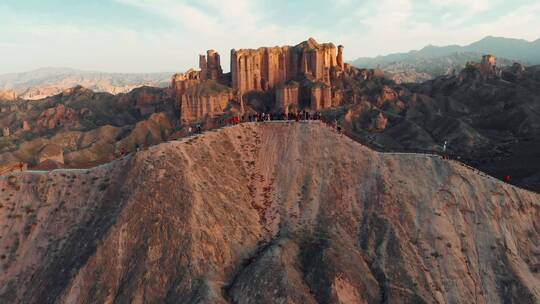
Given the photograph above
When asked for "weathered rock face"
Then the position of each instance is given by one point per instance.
(199, 93)
(182, 81)
(321, 96)
(196, 105)
(486, 69)
(267, 72)
(287, 96)
(387, 94)
(250, 214)
(205, 100)
(210, 66)
(263, 68)
(339, 60)
(58, 116)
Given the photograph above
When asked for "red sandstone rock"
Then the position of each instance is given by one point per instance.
(57, 116)
(207, 99)
(287, 95)
(340, 57)
(210, 66)
(263, 68)
(321, 96)
(387, 94)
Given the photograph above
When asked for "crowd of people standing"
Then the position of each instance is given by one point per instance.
(261, 117)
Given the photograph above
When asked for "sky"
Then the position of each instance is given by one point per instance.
(167, 35)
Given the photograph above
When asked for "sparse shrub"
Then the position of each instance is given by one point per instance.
(435, 254)
(28, 208)
(12, 180)
(449, 245)
(440, 238)
(103, 186)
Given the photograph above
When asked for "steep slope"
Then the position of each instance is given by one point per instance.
(85, 126)
(272, 213)
(489, 116)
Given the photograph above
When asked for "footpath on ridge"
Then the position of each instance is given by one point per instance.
(446, 156)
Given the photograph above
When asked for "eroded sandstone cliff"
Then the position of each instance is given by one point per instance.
(283, 73)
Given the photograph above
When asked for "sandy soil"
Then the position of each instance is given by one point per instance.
(271, 213)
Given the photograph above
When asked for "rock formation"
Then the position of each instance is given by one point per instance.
(210, 66)
(287, 96)
(486, 69)
(200, 93)
(301, 75)
(321, 96)
(57, 117)
(182, 81)
(204, 100)
(263, 68)
(387, 94)
(339, 60)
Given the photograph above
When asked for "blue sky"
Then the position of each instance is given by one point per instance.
(167, 35)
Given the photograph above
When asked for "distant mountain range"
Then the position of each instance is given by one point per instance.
(432, 61)
(46, 82)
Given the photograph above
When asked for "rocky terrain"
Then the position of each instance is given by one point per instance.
(487, 113)
(268, 213)
(433, 61)
(46, 82)
(81, 128)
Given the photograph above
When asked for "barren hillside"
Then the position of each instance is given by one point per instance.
(272, 213)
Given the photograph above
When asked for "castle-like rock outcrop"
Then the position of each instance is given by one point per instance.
(199, 93)
(298, 77)
(261, 69)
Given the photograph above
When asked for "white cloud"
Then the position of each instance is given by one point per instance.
(472, 6)
(367, 29)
